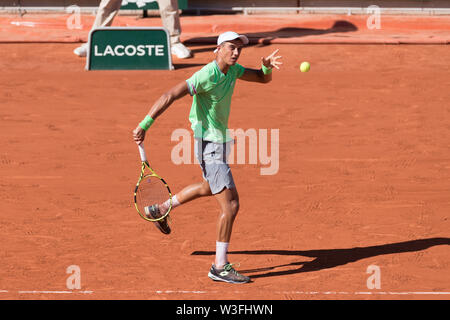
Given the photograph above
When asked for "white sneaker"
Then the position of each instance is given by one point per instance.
(81, 51)
(181, 51)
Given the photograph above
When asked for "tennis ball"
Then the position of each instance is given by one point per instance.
(304, 66)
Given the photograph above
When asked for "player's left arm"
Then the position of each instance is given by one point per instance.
(269, 62)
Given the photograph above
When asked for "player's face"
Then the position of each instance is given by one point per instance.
(230, 51)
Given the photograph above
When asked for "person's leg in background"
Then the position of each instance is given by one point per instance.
(107, 10)
(170, 17)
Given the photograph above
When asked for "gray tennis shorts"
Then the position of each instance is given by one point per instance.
(213, 161)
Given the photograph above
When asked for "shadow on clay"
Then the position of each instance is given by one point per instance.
(330, 258)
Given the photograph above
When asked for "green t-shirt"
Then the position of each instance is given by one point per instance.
(212, 91)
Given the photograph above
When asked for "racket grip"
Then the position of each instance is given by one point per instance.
(142, 152)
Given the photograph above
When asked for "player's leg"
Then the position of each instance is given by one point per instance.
(189, 193)
(228, 200)
(193, 191)
(222, 270)
(218, 173)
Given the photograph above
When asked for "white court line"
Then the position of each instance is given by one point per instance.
(165, 292)
(24, 23)
(236, 292)
(52, 292)
(103, 291)
(366, 293)
(183, 291)
(33, 177)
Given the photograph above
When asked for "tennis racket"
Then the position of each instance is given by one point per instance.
(150, 189)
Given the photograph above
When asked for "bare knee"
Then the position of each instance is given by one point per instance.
(229, 203)
(234, 205)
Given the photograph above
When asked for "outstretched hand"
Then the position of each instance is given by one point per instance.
(271, 61)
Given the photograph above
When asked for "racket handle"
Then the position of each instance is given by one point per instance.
(142, 152)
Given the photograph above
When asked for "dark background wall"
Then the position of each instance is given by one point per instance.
(228, 4)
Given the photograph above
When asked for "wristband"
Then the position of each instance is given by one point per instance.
(266, 70)
(146, 123)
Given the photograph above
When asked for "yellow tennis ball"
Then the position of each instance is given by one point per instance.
(304, 67)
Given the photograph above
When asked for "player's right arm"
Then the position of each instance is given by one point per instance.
(177, 92)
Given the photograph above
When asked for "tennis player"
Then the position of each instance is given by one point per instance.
(211, 88)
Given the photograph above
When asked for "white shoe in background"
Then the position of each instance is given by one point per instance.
(177, 49)
(181, 51)
(81, 51)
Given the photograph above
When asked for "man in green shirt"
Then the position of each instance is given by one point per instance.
(212, 88)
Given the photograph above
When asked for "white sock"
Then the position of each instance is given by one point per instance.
(221, 254)
(175, 202)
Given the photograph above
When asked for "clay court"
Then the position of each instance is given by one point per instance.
(364, 177)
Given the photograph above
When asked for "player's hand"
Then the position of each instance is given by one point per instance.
(138, 135)
(272, 61)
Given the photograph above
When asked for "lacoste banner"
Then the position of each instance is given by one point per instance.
(128, 48)
(148, 4)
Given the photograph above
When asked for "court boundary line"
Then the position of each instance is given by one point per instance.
(387, 293)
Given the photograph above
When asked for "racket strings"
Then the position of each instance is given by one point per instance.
(151, 191)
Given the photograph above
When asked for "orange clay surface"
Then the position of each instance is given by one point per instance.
(364, 178)
(290, 28)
